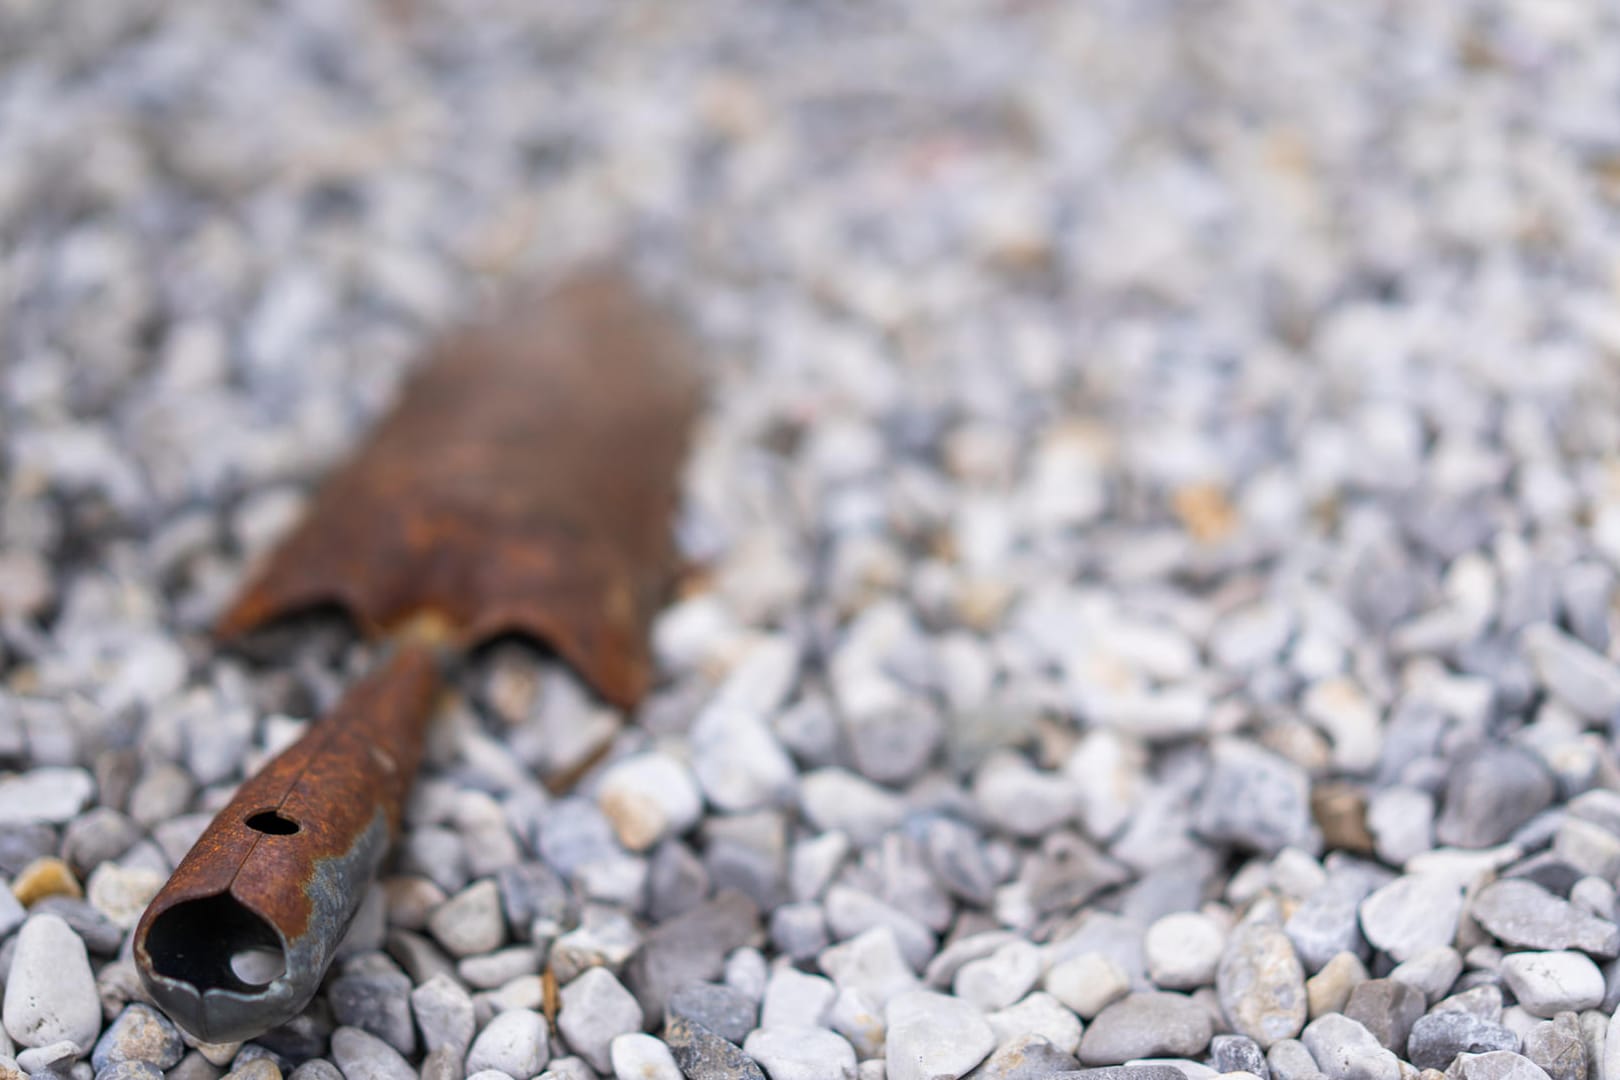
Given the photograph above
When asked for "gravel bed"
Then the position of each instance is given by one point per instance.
(1154, 543)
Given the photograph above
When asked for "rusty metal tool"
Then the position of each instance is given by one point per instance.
(525, 482)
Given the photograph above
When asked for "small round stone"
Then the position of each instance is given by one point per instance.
(140, 1033)
(798, 1053)
(642, 1057)
(515, 1042)
(50, 991)
(1146, 1025)
(1548, 983)
(470, 922)
(931, 1035)
(1183, 950)
(1087, 983)
(596, 1009)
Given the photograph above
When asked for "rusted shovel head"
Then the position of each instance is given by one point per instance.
(525, 482)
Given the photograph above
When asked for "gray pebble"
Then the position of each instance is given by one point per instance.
(50, 991)
(1581, 678)
(122, 1070)
(533, 894)
(1146, 1025)
(421, 959)
(470, 922)
(1401, 820)
(1087, 983)
(1238, 1053)
(1345, 1050)
(196, 1067)
(99, 835)
(796, 999)
(1016, 798)
(1123, 1072)
(748, 852)
(1587, 848)
(1038, 1014)
(1441, 1035)
(721, 1009)
(569, 1068)
(703, 1055)
(1484, 1002)
(1184, 949)
(838, 799)
(51, 795)
(1548, 983)
(378, 1002)
(692, 946)
(788, 1053)
(53, 1056)
(1412, 913)
(1388, 1009)
(444, 1013)
(1003, 977)
(746, 972)
(851, 912)
(677, 881)
(604, 937)
(494, 969)
(363, 1056)
(162, 794)
(595, 1009)
(931, 1035)
(1261, 984)
(893, 745)
(1521, 913)
(1067, 871)
(1495, 1065)
(516, 1043)
(1326, 924)
(1432, 971)
(642, 1057)
(316, 1069)
(1027, 1057)
(435, 853)
(98, 932)
(799, 930)
(1490, 793)
(1558, 1047)
(1289, 1060)
(1254, 799)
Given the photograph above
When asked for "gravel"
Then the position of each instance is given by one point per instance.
(50, 991)
(1154, 543)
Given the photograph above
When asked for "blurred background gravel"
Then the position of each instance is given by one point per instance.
(1154, 540)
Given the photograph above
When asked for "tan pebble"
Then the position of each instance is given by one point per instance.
(45, 876)
(1340, 809)
(257, 1069)
(1329, 989)
(1204, 511)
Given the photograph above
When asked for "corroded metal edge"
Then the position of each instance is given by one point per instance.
(526, 481)
(344, 785)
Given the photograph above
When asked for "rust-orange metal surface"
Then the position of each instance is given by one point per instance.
(525, 482)
(291, 851)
